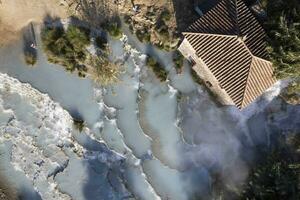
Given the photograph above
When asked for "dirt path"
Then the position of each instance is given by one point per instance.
(15, 14)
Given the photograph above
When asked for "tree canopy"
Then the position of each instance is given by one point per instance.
(283, 31)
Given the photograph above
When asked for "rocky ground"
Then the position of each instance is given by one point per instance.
(158, 22)
(152, 21)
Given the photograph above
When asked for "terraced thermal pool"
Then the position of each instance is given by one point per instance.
(143, 139)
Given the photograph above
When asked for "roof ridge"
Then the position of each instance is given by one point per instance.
(211, 11)
(210, 34)
(250, 73)
(246, 84)
(238, 30)
(231, 31)
(236, 13)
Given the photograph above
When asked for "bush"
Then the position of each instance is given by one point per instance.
(103, 71)
(79, 37)
(158, 70)
(162, 30)
(114, 30)
(294, 87)
(165, 39)
(283, 31)
(165, 15)
(131, 28)
(143, 36)
(69, 50)
(78, 124)
(276, 174)
(101, 42)
(30, 58)
(291, 94)
(178, 61)
(49, 36)
(66, 48)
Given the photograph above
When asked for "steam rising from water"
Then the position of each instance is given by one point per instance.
(166, 140)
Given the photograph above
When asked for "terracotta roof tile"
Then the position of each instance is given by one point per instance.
(227, 58)
(260, 78)
(229, 40)
(232, 17)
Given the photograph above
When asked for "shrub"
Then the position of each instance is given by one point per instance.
(101, 42)
(294, 87)
(151, 13)
(178, 60)
(30, 58)
(158, 70)
(79, 37)
(78, 124)
(103, 71)
(66, 48)
(49, 36)
(131, 29)
(114, 30)
(162, 30)
(143, 36)
(165, 15)
(276, 174)
(291, 94)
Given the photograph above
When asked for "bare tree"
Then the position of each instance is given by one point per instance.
(96, 12)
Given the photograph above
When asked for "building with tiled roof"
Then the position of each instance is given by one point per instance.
(227, 49)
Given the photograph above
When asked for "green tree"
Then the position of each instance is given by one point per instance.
(78, 37)
(283, 31)
(276, 175)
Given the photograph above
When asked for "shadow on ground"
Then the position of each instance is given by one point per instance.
(96, 12)
(29, 45)
(186, 14)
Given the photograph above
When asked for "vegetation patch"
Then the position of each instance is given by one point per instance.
(162, 29)
(143, 35)
(30, 58)
(165, 15)
(276, 175)
(291, 94)
(114, 30)
(101, 43)
(164, 38)
(79, 124)
(103, 70)
(154, 25)
(283, 30)
(66, 48)
(178, 61)
(158, 70)
(69, 49)
(127, 19)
